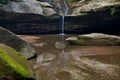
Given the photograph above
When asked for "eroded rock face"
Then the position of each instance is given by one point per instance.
(73, 67)
(15, 42)
(93, 39)
(84, 6)
(86, 20)
(47, 9)
(29, 6)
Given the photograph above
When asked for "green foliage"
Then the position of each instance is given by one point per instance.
(81, 14)
(4, 1)
(1, 7)
(70, 1)
(7, 1)
(113, 11)
(17, 0)
(80, 41)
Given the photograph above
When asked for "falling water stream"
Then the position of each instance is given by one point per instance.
(61, 59)
(62, 30)
(65, 12)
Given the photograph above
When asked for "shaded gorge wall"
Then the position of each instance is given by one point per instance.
(95, 21)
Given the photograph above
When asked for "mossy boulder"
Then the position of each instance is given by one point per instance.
(27, 6)
(94, 39)
(13, 65)
(86, 6)
(10, 39)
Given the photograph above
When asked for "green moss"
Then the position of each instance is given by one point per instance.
(1, 7)
(4, 1)
(13, 64)
(7, 1)
(114, 10)
(82, 14)
(71, 1)
(80, 41)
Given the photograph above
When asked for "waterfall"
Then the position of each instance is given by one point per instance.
(65, 12)
(62, 30)
(61, 45)
(66, 8)
(65, 57)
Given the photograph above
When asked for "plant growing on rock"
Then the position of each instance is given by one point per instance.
(4, 1)
(114, 10)
(7, 1)
(70, 1)
(80, 41)
(13, 65)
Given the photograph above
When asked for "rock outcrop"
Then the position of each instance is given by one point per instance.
(29, 6)
(85, 6)
(14, 66)
(47, 9)
(95, 39)
(101, 20)
(95, 17)
(73, 67)
(10, 39)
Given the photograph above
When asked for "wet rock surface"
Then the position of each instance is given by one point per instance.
(103, 19)
(10, 39)
(77, 63)
(84, 6)
(93, 39)
(78, 68)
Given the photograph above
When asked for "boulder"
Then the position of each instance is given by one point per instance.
(85, 6)
(29, 6)
(95, 39)
(91, 18)
(14, 66)
(10, 39)
(60, 45)
(26, 6)
(66, 66)
(47, 9)
(43, 58)
(72, 39)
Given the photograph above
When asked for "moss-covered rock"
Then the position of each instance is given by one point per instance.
(4, 1)
(13, 65)
(94, 39)
(10, 39)
(85, 6)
